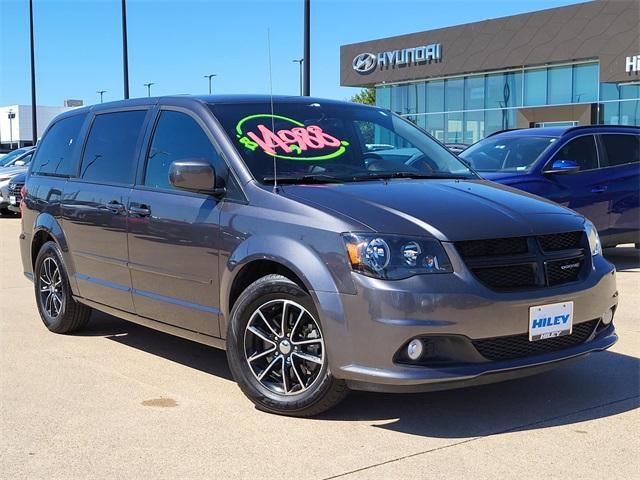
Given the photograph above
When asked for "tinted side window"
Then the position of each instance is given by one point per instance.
(177, 137)
(55, 153)
(27, 160)
(110, 154)
(581, 150)
(620, 149)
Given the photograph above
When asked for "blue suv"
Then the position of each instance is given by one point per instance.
(593, 169)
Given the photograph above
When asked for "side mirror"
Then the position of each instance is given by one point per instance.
(19, 163)
(194, 175)
(563, 167)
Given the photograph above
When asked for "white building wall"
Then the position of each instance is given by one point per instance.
(21, 124)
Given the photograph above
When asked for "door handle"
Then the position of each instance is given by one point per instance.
(140, 211)
(599, 189)
(115, 207)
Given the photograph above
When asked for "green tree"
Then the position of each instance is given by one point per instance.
(366, 96)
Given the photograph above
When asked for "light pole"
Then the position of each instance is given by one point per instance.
(148, 85)
(210, 77)
(34, 117)
(300, 62)
(307, 49)
(11, 116)
(125, 54)
(101, 92)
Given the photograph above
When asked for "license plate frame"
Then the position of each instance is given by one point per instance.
(550, 321)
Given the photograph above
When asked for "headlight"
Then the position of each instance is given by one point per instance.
(393, 257)
(6, 177)
(594, 238)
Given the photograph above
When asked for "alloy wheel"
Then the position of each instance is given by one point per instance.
(283, 347)
(50, 287)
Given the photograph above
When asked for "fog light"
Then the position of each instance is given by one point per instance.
(414, 349)
(607, 317)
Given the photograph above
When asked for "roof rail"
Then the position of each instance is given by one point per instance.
(502, 131)
(583, 127)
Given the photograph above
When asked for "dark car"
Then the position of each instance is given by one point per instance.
(15, 191)
(594, 170)
(17, 163)
(276, 228)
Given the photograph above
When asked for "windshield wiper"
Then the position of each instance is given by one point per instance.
(304, 179)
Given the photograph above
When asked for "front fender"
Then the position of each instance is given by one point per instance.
(45, 222)
(307, 263)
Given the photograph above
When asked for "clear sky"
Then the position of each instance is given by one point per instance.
(175, 43)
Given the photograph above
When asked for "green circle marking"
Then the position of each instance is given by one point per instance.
(329, 156)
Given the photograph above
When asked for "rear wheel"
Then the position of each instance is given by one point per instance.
(276, 350)
(58, 310)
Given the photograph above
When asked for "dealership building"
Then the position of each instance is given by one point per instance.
(16, 127)
(574, 65)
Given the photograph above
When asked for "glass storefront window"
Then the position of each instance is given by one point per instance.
(421, 95)
(609, 91)
(487, 103)
(630, 112)
(629, 91)
(620, 113)
(559, 81)
(474, 92)
(503, 90)
(473, 127)
(399, 99)
(454, 128)
(585, 83)
(412, 99)
(383, 97)
(454, 94)
(435, 96)
(434, 124)
(535, 87)
(496, 120)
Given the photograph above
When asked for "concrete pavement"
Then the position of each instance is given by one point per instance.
(122, 401)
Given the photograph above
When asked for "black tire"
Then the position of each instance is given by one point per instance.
(59, 316)
(321, 394)
(5, 212)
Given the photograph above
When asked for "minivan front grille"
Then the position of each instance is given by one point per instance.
(508, 277)
(519, 346)
(560, 241)
(563, 271)
(523, 263)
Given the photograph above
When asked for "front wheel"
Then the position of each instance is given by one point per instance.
(276, 350)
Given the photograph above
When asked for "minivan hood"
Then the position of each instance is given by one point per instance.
(449, 210)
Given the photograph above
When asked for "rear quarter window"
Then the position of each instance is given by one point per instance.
(110, 153)
(620, 149)
(56, 153)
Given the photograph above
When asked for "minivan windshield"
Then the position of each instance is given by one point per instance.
(506, 154)
(327, 142)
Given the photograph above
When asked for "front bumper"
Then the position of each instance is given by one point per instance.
(365, 331)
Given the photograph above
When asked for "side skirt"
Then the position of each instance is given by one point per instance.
(154, 324)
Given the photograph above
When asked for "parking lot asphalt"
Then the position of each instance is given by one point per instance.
(122, 401)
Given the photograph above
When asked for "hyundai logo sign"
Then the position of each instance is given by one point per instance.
(364, 63)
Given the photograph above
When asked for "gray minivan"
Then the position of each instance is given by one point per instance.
(280, 230)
